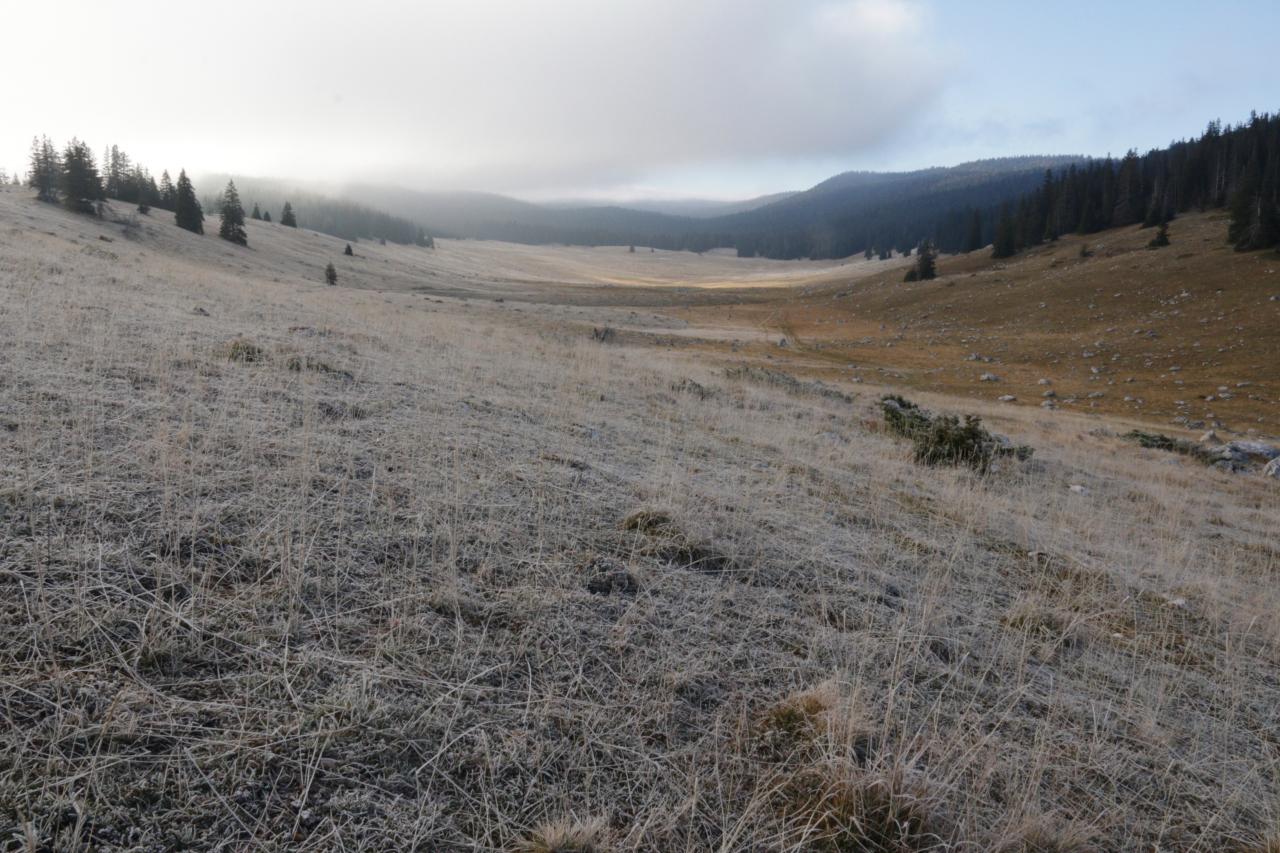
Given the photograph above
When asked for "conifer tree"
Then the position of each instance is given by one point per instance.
(45, 174)
(926, 262)
(257, 212)
(266, 216)
(232, 225)
(168, 195)
(1161, 239)
(81, 186)
(186, 207)
(330, 274)
(287, 217)
(347, 251)
(1005, 244)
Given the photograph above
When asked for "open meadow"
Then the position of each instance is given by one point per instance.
(417, 562)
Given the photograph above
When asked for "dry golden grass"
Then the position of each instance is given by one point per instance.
(393, 603)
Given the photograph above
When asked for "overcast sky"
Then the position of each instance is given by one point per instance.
(622, 98)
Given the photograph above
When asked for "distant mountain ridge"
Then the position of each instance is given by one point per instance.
(848, 213)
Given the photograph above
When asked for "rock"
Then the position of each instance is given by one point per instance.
(1078, 489)
(1272, 469)
(988, 377)
(1048, 404)
(1044, 382)
(1254, 449)
(1049, 394)
(199, 312)
(1006, 398)
(1096, 395)
(1209, 437)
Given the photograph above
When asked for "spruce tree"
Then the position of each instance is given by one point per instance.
(347, 251)
(1161, 239)
(257, 212)
(168, 195)
(330, 274)
(186, 207)
(45, 174)
(926, 262)
(1006, 242)
(81, 186)
(232, 225)
(266, 216)
(287, 217)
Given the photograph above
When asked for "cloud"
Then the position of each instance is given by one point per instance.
(494, 94)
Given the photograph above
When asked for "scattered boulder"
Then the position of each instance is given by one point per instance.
(1007, 398)
(988, 377)
(1272, 469)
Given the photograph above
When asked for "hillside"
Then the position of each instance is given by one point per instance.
(418, 564)
(1186, 337)
(837, 218)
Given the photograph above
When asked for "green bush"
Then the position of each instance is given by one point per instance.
(946, 439)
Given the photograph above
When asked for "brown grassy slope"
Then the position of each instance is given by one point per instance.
(1164, 328)
(368, 587)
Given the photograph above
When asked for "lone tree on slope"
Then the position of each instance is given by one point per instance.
(81, 186)
(232, 227)
(926, 262)
(257, 212)
(45, 174)
(287, 217)
(330, 274)
(347, 251)
(186, 207)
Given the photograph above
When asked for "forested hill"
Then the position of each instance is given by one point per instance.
(877, 211)
(843, 215)
(1237, 168)
(345, 218)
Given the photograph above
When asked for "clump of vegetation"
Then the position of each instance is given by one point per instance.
(245, 350)
(1161, 239)
(946, 439)
(844, 811)
(330, 274)
(665, 540)
(1159, 441)
(565, 836)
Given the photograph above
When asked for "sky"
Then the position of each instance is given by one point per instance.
(623, 99)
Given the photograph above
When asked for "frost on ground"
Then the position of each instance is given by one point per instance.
(315, 568)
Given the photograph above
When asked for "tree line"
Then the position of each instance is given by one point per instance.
(1236, 168)
(71, 176)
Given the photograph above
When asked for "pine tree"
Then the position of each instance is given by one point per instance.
(257, 212)
(232, 225)
(347, 251)
(168, 195)
(425, 240)
(45, 174)
(81, 186)
(1161, 239)
(973, 242)
(266, 217)
(330, 274)
(1005, 245)
(287, 217)
(186, 207)
(926, 262)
